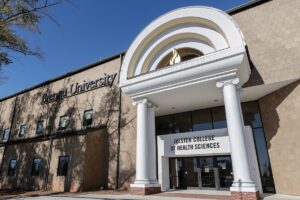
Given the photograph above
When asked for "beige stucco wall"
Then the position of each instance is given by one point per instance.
(96, 161)
(281, 117)
(75, 148)
(29, 109)
(128, 143)
(6, 110)
(23, 178)
(271, 31)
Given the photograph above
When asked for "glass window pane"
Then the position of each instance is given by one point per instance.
(251, 114)
(5, 134)
(183, 122)
(88, 118)
(164, 125)
(201, 120)
(40, 127)
(22, 130)
(35, 169)
(263, 161)
(62, 168)
(219, 117)
(12, 167)
(63, 122)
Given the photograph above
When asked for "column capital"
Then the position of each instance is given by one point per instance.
(145, 101)
(234, 81)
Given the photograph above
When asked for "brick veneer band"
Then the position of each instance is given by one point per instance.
(144, 191)
(245, 195)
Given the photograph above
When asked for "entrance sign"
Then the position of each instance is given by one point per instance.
(209, 142)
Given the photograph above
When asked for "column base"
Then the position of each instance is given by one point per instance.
(244, 193)
(145, 189)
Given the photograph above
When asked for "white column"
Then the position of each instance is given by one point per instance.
(241, 171)
(152, 144)
(145, 145)
(142, 164)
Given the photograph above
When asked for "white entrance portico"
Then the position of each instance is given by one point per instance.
(209, 69)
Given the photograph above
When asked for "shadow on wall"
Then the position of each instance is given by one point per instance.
(106, 114)
(255, 77)
(269, 105)
(127, 160)
(22, 178)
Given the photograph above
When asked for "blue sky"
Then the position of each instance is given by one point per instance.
(89, 31)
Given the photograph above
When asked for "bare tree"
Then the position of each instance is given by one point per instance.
(20, 15)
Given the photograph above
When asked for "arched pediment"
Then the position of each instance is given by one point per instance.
(203, 29)
(207, 29)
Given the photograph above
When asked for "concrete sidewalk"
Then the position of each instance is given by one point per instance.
(124, 195)
(133, 197)
(281, 197)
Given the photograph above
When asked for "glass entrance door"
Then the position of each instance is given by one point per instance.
(201, 172)
(208, 174)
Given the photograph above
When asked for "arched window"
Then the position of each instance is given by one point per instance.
(184, 54)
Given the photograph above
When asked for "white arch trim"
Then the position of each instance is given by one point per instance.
(213, 39)
(202, 20)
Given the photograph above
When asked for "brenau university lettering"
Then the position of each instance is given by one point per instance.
(77, 88)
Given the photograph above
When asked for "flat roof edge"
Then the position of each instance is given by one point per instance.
(246, 6)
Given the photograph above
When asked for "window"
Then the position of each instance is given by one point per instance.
(182, 122)
(88, 118)
(251, 114)
(12, 167)
(5, 134)
(63, 122)
(62, 168)
(252, 117)
(40, 127)
(164, 125)
(35, 169)
(219, 118)
(22, 130)
(202, 120)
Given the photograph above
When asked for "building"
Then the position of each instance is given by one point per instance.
(202, 99)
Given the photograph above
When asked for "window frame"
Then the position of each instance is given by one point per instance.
(12, 171)
(60, 172)
(4, 134)
(32, 166)
(84, 123)
(20, 129)
(66, 123)
(37, 126)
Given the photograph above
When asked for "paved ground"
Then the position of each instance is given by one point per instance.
(131, 197)
(112, 195)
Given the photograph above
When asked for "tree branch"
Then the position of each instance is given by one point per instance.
(34, 9)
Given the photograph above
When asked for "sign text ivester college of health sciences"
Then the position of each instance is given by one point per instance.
(197, 143)
(77, 88)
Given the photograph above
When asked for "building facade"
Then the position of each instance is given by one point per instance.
(202, 99)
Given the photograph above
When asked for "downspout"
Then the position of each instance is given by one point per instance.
(119, 130)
